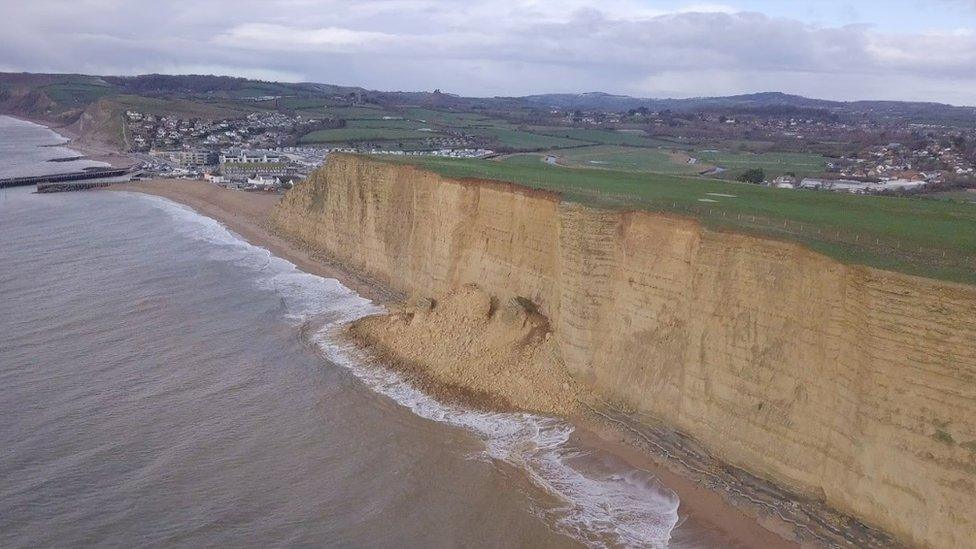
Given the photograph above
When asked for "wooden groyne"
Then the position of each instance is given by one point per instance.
(63, 177)
(68, 186)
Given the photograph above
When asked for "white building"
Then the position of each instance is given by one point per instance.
(264, 183)
(858, 187)
(240, 156)
(784, 182)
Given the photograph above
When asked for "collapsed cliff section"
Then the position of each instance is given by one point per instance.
(472, 348)
(845, 384)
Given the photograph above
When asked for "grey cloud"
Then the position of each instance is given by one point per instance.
(490, 48)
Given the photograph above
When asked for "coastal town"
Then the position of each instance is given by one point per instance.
(194, 127)
(268, 150)
(257, 152)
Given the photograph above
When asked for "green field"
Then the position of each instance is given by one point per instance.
(257, 91)
(299, 103)
(447, 118)
(773, 163)
(388, 124)
(634, 159)
(526, 141)
(345, 135)
(359, 112)
(375, 127)
(605, 137)
(316, 109)
(182, 107)
(507, 135)
(75, 94)
(967, 197)
(666, 160)
(932, 238)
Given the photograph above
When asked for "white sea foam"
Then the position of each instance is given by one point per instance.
(627, 507)
(613, 505)
(303, 294)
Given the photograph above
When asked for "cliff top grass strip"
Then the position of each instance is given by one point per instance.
(930, 238)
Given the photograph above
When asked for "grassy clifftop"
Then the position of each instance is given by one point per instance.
(930, 238)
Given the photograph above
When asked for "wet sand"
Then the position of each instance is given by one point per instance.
(710, 519)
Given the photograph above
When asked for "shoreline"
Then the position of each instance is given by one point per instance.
(89, 149)
(248, 215)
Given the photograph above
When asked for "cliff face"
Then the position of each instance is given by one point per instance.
(845, 383)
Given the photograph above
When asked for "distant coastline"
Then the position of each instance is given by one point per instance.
(30, 148)
(84, 146)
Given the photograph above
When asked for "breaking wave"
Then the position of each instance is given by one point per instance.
(602, 501)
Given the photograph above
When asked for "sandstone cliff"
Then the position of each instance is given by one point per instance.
(844, 383)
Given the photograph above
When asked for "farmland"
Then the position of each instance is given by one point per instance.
(387, 124)
(76, 94)
(345, 135)
(630, 150)
(606, 137)
(321, 108)
(447, 118)
(522, 140)
(773, 163)
(179, 107)
(375, 124)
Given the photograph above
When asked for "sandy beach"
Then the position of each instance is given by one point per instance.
(248, 214)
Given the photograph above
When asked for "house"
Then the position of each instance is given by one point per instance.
(288, 181)
(216, 179)
(901, 184)
(195, 157)
(263, 183)
(784, 182)
(241, 156)
(842, 185)
(238, 162)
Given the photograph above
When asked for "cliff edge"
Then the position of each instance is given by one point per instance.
(843, 383)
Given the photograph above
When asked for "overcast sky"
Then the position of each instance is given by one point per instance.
(833, 49)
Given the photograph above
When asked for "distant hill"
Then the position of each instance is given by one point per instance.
(63, 97)
(906, 110)
(597, 100)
